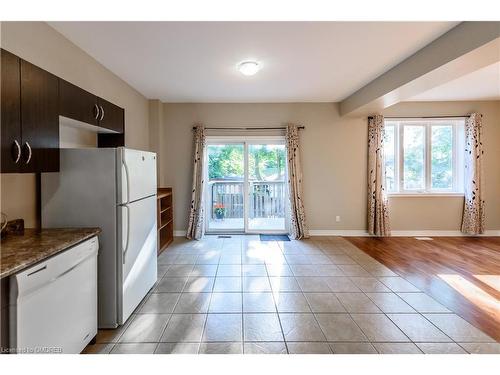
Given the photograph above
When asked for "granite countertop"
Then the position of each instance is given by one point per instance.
(20, 251)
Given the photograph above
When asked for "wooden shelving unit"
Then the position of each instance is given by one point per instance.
(165, 218)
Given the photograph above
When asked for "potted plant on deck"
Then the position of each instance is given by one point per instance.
(220, 211)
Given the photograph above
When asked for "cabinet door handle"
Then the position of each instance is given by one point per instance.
(96, 107)
(18, 151)
(30, 152)
(102, 113)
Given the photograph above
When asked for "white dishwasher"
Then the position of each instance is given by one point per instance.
(53, 305)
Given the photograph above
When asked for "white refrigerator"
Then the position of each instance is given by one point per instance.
(114, 189)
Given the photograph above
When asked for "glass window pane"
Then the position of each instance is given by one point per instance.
(266, 162)
(267, 187)
(225, 162)
(413, 159)
(389, 156)
(442, 157)
(225, 187)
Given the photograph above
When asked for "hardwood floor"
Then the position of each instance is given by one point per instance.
(462, 273)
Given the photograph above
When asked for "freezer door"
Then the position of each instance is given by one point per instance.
(137, 174)
(138, 253)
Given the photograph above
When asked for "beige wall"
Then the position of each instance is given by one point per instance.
(334, 160)
(41, 45)
(155, 129)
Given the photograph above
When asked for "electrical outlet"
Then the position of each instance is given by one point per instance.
(337, 219)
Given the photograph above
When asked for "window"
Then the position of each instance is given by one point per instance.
(422, 156)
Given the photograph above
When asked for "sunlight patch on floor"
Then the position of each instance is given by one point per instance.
(491, 280)
(473, 293)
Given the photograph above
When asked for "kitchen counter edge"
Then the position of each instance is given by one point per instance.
(19, 252)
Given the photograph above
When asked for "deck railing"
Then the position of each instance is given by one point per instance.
(266, 200)
(228, 194)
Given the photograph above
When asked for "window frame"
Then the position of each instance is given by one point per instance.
(457, 157)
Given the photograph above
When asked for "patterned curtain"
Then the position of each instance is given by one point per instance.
(298, 227)
(195, 225)
(473, 216)
(378, 209)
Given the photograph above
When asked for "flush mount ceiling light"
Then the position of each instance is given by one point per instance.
(249, 68)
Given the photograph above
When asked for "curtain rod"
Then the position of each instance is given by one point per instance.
(423, 117)
(256, 128)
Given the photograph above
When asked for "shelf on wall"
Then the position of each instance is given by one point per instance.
(165, 220)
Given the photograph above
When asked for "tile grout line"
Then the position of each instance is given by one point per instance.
(440, 330)
(242, 316)
(277, 312)
(315, 317)
(357, 325)
(350, 316)
(208, 307)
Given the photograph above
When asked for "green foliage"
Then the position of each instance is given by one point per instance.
(414, 138)
(225, 161)
(442, 157)
(265, 162)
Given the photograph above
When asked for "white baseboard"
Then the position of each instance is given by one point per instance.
(394, 233)
(344, 233)
(404, 233)
(441, 233)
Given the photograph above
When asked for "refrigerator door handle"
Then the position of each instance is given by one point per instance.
(128, 233)
(127, 176)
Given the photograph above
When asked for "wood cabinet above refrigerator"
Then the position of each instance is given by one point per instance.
(77, 104)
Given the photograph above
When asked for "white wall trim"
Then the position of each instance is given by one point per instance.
(395, 233)
(425, 195)
(442, 233)
(346, 233)
(403, 233)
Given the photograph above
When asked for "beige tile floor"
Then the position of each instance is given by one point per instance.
(241, 295)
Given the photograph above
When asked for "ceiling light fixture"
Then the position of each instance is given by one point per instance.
(249, 68)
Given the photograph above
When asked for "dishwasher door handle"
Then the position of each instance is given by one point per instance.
(69, 270)
(38, 270)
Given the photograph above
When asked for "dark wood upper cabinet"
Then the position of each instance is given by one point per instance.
(111, 116)
(30, 119)
(39, 119)
(11, 112)
(32, 100)
(77, 104)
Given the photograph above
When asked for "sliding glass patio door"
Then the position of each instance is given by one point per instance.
(246, 190)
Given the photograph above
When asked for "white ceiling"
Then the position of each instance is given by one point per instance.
(301, 61)
(483, 84)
